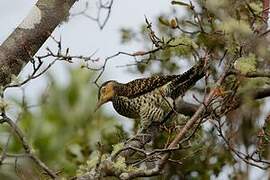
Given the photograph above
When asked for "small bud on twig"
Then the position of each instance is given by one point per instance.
(173, 23)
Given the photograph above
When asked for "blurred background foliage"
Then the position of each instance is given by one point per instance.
(65, 131)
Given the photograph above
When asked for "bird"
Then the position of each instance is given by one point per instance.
(149, 99)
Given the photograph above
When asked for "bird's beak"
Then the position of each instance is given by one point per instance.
(99, 103)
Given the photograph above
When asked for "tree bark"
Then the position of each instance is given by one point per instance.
(30, 35)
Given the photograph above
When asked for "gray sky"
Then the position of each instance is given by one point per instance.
(83, 36)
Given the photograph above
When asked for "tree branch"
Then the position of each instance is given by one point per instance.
(27, 147)
(265, 10)
(30, 35)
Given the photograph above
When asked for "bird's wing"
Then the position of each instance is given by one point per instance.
(139, 87)
(142, 86)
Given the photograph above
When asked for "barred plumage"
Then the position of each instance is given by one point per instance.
(149, 99)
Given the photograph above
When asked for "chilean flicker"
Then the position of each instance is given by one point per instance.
(149, 99)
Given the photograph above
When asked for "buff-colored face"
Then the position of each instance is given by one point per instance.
(106, 94)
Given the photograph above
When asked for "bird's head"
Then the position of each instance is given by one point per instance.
(106, 92)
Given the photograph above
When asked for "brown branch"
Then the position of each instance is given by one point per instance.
(189, 109)
(248, 159)
(257, 74)
(27, 147)
(34, 75)
(146, 153)
(251, 74)
(195, 117)
(30, 35)
(5, 149)
(261, 93)
(135, 54)
(59, 55)
(265, 13)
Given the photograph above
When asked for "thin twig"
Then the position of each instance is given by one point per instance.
(27, 147)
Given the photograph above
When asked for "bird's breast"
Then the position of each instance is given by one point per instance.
(126, 107)
(132, 107)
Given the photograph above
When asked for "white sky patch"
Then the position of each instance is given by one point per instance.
(33, 18)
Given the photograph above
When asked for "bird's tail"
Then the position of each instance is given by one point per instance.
(184, 82)
(189, 73)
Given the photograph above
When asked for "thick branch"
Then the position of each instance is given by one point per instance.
(251, 74)
(189, 109)
(261, 93)
(30, 35)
